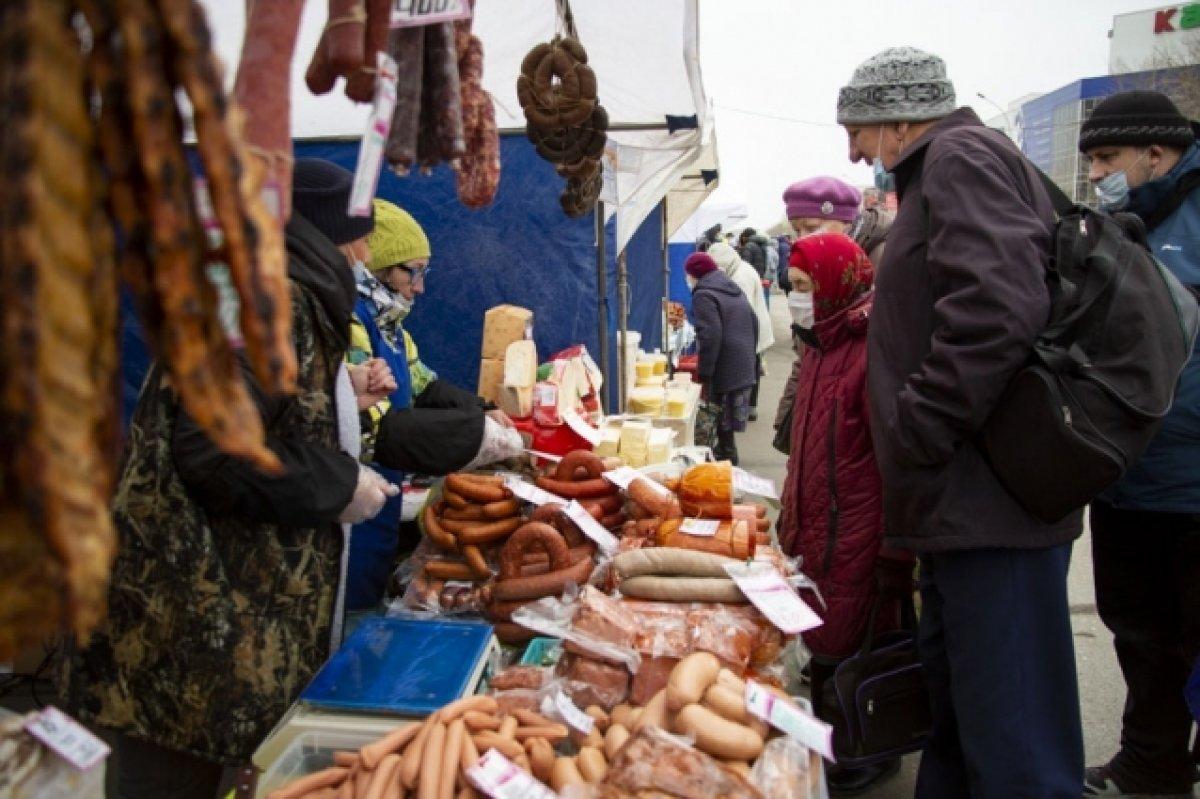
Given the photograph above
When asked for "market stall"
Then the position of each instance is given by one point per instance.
(606, 615)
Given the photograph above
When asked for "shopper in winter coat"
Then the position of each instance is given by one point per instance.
(832, 509)
(814, 205)
(783, 247)
(751, 250)
(726, 331)
(225, 593)
(744, 276)
(960, 299)
(1146, 528)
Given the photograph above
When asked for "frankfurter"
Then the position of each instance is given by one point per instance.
(434, 530)
(483, 489)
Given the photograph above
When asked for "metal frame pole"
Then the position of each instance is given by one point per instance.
(623, 326)
(602, 302)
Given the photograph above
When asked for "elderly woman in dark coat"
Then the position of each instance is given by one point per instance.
(726, 334)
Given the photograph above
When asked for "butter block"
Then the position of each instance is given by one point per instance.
(659, 446)
(491, 379)
(520, 364)
(502, 325)
(610, 442)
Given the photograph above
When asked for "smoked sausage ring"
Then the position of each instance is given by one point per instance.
(580, 459)
(549, 584)
(533, 535)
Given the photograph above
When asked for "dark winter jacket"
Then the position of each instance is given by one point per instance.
(726, 334)
(959, 300)
(440, 434)
(832, 505)
(784, 246)
(224, 588)
(752, 252)
(1167, 476)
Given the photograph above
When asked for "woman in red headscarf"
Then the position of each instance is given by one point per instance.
(832, 509)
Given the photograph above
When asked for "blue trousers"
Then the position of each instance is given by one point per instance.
(996, 643)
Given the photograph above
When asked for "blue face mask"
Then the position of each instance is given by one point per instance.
(884, 181)
(1112, 191)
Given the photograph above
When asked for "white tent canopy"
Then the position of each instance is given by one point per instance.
(728, 215)
(646, 63)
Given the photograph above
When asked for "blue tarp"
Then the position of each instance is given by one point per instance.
(521, 250)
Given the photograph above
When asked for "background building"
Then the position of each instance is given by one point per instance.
(1157, 49)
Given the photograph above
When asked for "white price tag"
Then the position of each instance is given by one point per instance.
(500, 778)
(704, 528)
(67, 737)
(622, 476)
(416, 13)
(370, 153)
(582, 428)
(530, 493)
(753, 484)
(590, 527)
(771, 594)
(790, 718)
(570, 712)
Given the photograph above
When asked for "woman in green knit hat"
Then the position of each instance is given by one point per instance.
(427, 425)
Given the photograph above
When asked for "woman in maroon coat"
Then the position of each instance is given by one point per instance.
(832, 509)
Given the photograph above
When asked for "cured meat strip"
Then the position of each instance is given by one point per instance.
(340, 50)
(360, 85)
(262, 89)
(261, 281)
(55, 533)
(407, 48)
(479, 169)
(441, 135)
(194, 347)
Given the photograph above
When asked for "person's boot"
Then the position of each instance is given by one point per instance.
(1099, 781)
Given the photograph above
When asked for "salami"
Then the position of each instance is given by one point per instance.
(441, 133)
(407, 48)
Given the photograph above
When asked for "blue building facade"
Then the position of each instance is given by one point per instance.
(1048, 126)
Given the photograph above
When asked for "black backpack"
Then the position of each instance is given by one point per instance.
(1104, 371)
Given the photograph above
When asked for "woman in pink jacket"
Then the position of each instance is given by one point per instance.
(832, 510)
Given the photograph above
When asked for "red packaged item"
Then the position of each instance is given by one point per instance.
(593, 682)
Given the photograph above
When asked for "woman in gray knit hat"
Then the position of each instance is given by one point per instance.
(960, 300)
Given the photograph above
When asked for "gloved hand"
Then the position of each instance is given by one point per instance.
(894, 576)
(369, 496)
(499, 443)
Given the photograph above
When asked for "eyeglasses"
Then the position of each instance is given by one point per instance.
(416, 273)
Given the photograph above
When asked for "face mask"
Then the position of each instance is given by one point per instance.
(403, 306)
(884, 181)
(800, 304)
(691, 282)
(1113, 190)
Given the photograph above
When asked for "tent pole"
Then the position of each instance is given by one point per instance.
(623, 321)
(666, 256)
(602, 302)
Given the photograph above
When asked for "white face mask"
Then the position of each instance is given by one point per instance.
(691, 282)
(800, 304)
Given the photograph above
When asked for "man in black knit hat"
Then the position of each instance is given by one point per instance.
(1146, 528)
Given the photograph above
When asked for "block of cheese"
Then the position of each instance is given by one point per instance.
(520, 364)
(516, 401)
(659, 446)
(677, 403)
(610, 442)
(568, 389)
(502, 325)
(646, 399)
(635, 442)
(491, 379)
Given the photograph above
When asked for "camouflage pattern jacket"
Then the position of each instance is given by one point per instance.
(224, 588)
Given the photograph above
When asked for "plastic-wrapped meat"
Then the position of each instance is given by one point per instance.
(262, 89)
(655, 763)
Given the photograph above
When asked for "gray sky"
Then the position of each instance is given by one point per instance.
(788, 58)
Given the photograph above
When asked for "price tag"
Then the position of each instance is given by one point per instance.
(753, 484)
(530, 492)
(582, 428)
(67, 737)
(370, 153)
(570, 712)
(704, 528)
(590, 527)
(790, 718)
(623, 476)
(765, 587)
(416, 13)
(500, 778)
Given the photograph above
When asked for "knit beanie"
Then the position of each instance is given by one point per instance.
(699, 264)
(901, 84)
(724, 257)
(397, 237)
(822, 198)
(1137, 118)
(321, 194)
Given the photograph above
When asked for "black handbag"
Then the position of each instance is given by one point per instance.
(877, 700)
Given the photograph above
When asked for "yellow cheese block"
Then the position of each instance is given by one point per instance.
(516, 401)
(520, 364)
(677, 404)
(610, 442)
(491, 379)
(659, 448)
(502, 325)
